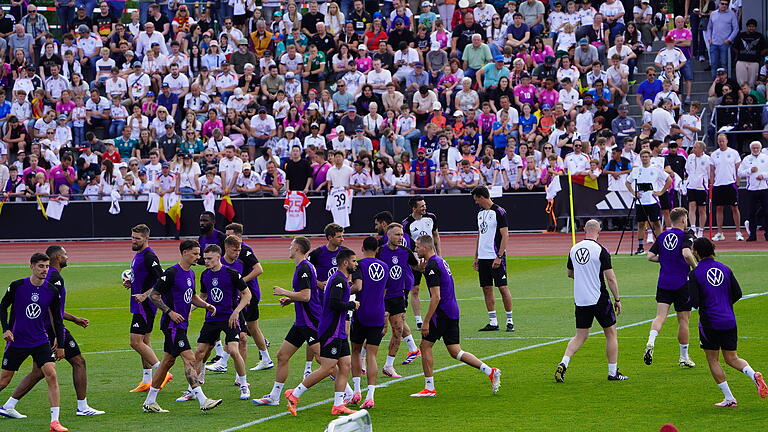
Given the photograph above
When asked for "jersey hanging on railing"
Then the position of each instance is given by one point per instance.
(295, 205)
(339, 203)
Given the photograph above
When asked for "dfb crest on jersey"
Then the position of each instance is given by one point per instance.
(582, 256)
(189, 282)
(394, 260)
(333, 261)
(215, 281)
(33, 311)
(217, 295)
(71, 344)
(395, 272)
(188, 296)
(670, 242)
(332, 270)
(715, 276)
(34, 297)
(376, 272)
(181, 344)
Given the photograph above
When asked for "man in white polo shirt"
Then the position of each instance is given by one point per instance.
(576, 162)
(725, 166)
(754, 167)
(230, 167)
(643, 182)
(698, 170)
(177, 81)
(339, 174)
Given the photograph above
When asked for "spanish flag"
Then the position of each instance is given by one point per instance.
(41, 207)
(5, 198)
(585, 181)
(226, 208)
(175, 214)
(161, 211)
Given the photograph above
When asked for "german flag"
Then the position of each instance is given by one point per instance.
(161, 211)
(585, 181)
(175, 214)
(226, 208)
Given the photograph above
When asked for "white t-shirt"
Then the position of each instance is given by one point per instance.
(697, 169)
(568, 98)
(588, 260)
(674, 56)
(489, 225)
(611, 10)
(384, 77)
(576, 162)
(228, 168)
(662, 120)
(339, 177)
(725, 163)
(339, 203)
(652, 175)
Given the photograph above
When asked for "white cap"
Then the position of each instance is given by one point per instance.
(339, 129)
(435, 46)
(290, 129)
(312, 106)
(463, 4)
(436, 106)
(458, 113)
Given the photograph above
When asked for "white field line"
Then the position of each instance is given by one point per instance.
(453, 366)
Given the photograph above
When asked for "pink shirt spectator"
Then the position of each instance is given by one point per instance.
(36, 170)
(364, 64)
(526, 94)
(539, 56)
(684, 34)
(486, 122)
(549, 97)
(65, 108)
(210, 125)
(59, 178)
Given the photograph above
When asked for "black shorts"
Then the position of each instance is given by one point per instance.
(650, 212)
(490, 276)
(725, 195)
(700, 197)
(297, 335)
(679, 297)
(416, 278)
(445, 328)
(71, 348)
(142, 324)
(243, 325)
(334, 348)
(360, 334)
(14, 357)
(251, 312)
(395, 305)
(211, 332)
(603, 312)
(711, 339)
(668, 200)
(176, 341)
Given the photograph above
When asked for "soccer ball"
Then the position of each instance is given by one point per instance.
(127, 275)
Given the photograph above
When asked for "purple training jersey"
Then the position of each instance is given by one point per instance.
(324, 261)
(222, 288)
(177, 286)
(400, 260)
(375, 274)
(333, 319)
(669, 246)
(146, 271)
(29, 305)
(249, 262)
(714, 290)
(307, 313)
(437, 273)
(214, 237)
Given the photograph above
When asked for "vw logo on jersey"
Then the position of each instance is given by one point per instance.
(582, 256)
(34, 297)
(376, 272)
(715, 276)
(188, 296)
(217, 295)
(215, 281)
(333, 261)
(670, 242)
(332, 270)
(189, 282)
(395, 272)
(395, 260)
(33, 311)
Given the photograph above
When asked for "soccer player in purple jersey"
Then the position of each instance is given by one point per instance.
(25, 333)
(224, 288)
(307, 299)
(714, 289)
(252, 269)
(209, 234)
(369, 320)
(672, 250)
(442, 320)
(401, 262)
(332, 333)
(58, 257)
(174, 294)
(145, 271)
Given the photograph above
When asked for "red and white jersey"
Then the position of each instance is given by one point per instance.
(295, 205)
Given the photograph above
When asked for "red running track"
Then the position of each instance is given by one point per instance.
(277, 248)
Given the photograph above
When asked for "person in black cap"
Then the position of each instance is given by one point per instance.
(715, 91)
(544, 71)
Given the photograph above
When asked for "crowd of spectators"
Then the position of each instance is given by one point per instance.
(236, 98)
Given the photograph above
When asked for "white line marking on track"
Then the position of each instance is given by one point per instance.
(453, 366)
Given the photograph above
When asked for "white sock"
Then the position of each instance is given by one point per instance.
(683, 351)
(348, 390)
(492, 318)
(151, 396)
(219, 348)
(565, 360)
(363, 353)
(652, 337)
(190, 389)
(418, 319)
(277, 390)
(155, 366)
(356, 383)
(54, 414)
(299, 390)
(198, 391)
(693, 227)
(411, 343)
(82, 405)
(265, 356)
(612, 367)
(147, 376)
(485, 369)
(224, 358)
(390, 361)
(509, 318)
(240, 380)
(749, 372)
(429, 383)
(371, 389)
(11, 404)
(338, 398)
(726, 390)
(308, 366)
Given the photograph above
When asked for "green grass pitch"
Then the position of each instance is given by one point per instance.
(529, 398)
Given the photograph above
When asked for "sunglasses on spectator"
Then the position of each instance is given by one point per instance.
(133, 164)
